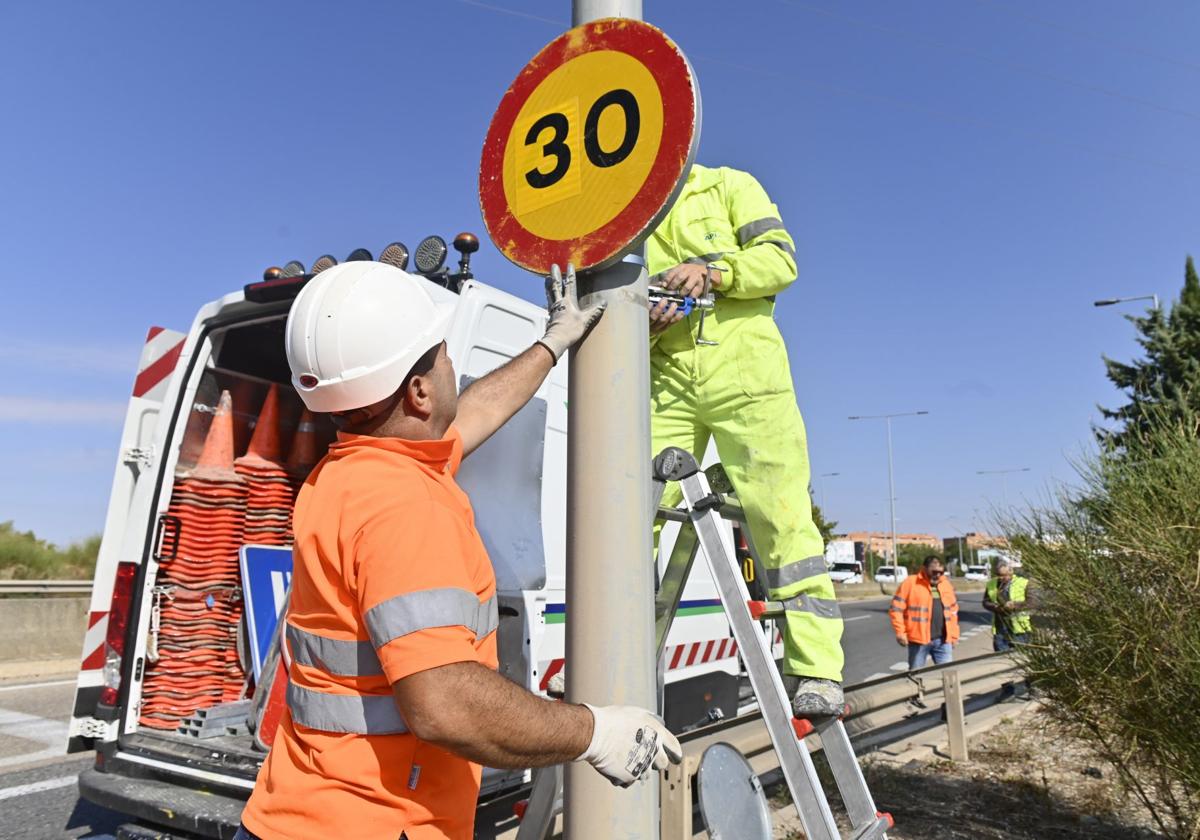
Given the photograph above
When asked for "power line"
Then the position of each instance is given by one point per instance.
(1107, 43)
(946, 116)
(504, 10)
(998, 62)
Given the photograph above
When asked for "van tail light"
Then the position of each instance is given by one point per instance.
(118, 624)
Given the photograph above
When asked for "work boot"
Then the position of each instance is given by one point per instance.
(818, 698)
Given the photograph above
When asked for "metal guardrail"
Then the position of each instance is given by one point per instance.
(904, 701)
(44, 587)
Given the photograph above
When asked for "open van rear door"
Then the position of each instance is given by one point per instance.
(136, 461)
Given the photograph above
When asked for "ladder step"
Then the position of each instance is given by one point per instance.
(878, 829)
(765, 609)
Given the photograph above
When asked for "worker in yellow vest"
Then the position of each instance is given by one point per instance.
(733, 383)
(1008, 599)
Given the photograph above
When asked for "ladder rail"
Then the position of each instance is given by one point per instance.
(797, 765)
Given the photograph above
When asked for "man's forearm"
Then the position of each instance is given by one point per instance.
(489, 402)
(474, 712)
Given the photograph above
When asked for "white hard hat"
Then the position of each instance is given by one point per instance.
(355, 331)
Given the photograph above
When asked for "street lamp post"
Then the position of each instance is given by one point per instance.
(1003, 478)
(891, 472)
(1111, 301)
(821, 487)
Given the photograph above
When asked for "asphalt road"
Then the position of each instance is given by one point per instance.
(39, 799)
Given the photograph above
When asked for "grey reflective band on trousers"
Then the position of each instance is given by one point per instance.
(428, 608)
(823, 607)
(757, 228)
(340, 657)
(360, 714)
(795, 572)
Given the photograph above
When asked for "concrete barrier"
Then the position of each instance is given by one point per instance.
(41, 628)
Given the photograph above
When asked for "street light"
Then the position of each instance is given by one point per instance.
(821, 487)
(891, 471)
(1004, 478)
(1111, 301)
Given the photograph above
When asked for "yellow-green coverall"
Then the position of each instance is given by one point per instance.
(740, 392)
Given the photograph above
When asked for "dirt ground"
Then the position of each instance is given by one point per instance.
(1025, 781)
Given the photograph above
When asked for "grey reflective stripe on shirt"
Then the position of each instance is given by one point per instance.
(750, 230)
(781, 245)
(415, 611)
(705, 259)
(797, 571)
(823, 607)
(362, 714)
(340, 657)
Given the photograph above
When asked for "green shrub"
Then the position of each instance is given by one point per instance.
(1116, 647)
(25, 557)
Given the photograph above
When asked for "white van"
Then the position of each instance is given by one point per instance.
(175, 780)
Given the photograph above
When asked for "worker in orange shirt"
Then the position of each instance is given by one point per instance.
(394, 702)
(924, 614)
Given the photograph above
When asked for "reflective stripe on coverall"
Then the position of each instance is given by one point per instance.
(740, 393)
(1019, 622)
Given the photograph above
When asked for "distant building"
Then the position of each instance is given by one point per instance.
(971, 543)
(880, 542)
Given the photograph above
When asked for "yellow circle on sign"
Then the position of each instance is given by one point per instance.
(560, 184)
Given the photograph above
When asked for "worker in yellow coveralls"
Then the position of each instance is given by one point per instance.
(733, 384)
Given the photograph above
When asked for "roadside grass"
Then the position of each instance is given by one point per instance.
(25, 557)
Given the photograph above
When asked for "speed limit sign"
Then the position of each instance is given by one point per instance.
(589, 146)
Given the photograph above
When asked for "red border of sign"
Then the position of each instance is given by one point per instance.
(676, 85)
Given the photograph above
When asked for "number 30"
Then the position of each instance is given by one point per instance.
(557, 146)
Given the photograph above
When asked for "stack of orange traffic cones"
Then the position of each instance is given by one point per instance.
(192, 655)
(270, 499)
(303, 456)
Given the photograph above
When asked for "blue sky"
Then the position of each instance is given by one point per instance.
(962, 178)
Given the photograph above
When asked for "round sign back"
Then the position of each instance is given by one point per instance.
(589, 146)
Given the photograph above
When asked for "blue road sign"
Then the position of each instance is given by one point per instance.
(266, 577)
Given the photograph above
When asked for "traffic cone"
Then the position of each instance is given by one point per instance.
(197, 598)
(270, 498)
(303, 456)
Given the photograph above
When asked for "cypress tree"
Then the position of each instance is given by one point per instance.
(1164, 385)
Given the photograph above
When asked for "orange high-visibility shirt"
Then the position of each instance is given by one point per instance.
(390, 578)
(912, 608)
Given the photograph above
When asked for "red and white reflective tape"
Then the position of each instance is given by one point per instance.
(159, 356)
(93, 641)
(677, 656)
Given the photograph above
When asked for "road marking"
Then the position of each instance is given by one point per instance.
(899, 666)
(35, 685)
(37, 787)
(856, 618)
(50, 734)
(878, 675)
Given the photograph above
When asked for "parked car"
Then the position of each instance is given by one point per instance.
(891, 574)
(977, 573)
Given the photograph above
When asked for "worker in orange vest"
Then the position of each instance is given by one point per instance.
(393, 700)
(924, 615)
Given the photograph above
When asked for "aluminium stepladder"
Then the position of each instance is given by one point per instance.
(704, 510)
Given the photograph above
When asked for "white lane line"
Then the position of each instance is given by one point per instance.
(35, 685)
(855, 618)
(878, 675)
(37, 787)
(899, 666)
(50, 734)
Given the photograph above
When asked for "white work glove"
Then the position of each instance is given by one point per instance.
(568, 323)
(627, 742)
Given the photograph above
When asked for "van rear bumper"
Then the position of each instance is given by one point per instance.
(198, 812)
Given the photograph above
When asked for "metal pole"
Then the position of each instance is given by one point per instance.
(892, 493)
(610, 578)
